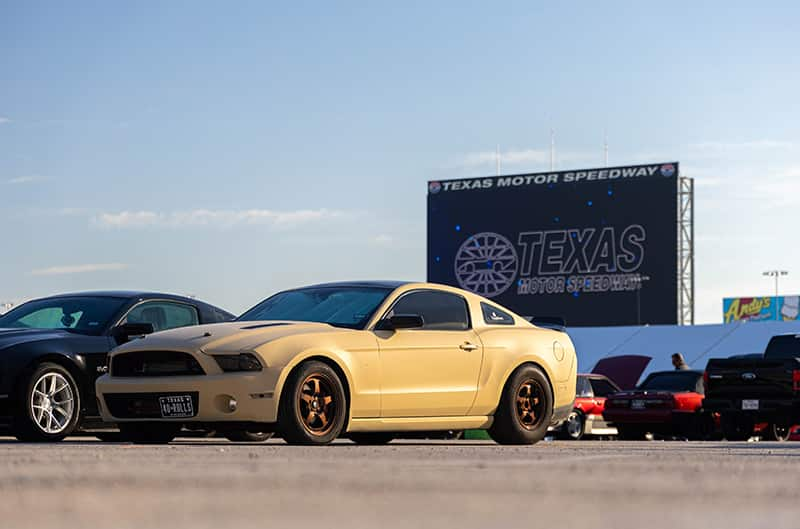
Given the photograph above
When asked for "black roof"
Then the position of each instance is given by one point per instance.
(127, 294)
(374, 284)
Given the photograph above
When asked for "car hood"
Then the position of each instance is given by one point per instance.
(11, 337)
(226, 337)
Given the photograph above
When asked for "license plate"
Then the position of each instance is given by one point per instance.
(176, 406)
(751, 404)
(637, 404)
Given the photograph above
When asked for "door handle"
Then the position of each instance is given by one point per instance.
(468, 346)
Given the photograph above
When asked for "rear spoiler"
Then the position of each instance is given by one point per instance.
(550, 322)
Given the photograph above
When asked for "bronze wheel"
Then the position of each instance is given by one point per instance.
(313, 406)
(525, 409)
(316, 405)
(530, 404)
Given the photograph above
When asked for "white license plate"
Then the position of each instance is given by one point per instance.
(750, 404)
(176, 406)
(637, 404)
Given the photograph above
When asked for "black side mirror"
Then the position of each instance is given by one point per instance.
(400, 321)
(122, 333)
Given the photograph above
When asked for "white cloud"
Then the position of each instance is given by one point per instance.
(382, 239)
(538, 158)
(24, 179)
(215, 217)
(723, 148)
(78, 269)
(4, 120)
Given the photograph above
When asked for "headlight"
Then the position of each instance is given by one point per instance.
(238, 362)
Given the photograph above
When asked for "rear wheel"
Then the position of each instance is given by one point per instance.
(371, 438)
(149, 433)
(777, 432)
(525, 408)
(244, 436)
(574, 427)
(48, 406)
(313, 406)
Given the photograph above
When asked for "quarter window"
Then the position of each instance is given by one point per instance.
(440, 311)
(163, 315)
(495, 316)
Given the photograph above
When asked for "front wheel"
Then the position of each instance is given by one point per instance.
(147, 433)
(778, 432)
(313, 406)
(525, 408)
(244, 436)
(48, 407)
(574, 427)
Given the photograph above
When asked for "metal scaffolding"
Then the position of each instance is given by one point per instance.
(685, 250)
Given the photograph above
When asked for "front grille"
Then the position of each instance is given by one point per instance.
(155, 364)
(142, 405)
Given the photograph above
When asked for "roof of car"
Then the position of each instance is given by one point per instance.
(118, 294)
(374, 284)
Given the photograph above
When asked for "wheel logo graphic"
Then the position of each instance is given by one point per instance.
(486, 264)
(667, 170)
(434, 187)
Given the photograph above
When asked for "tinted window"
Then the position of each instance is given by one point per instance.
(783, 347)
(350, 307)
(85, 315)
(494, 316)
(583, 388)
(674, 381)
(602, 387)
(441, 311)
(163, 315)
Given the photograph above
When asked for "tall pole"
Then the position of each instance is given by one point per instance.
(497, 159)
(552, 149)
(776, 274)
(605, 147)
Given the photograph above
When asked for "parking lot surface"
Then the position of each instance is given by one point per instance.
(208, 483)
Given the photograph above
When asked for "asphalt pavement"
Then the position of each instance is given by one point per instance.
(205, 483)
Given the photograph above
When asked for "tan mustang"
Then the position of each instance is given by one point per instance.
(369, 359)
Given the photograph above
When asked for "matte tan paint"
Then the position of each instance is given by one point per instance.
(403, 380)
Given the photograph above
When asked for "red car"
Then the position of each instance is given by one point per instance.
(587, 416)
(667, 403)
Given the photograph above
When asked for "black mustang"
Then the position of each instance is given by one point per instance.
(52, 350)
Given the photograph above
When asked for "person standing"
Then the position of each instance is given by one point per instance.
(678, 362)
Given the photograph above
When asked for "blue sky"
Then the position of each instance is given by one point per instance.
(228, 151)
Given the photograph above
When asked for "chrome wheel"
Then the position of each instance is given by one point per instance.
(52, 403)
(574, 425)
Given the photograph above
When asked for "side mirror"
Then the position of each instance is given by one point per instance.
(400, 321)
(122, 333)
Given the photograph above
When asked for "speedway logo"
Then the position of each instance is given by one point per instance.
(538, 179)
(570, 261)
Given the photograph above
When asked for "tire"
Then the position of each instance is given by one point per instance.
(777, 432)
(702, 428)
(574, 428)
(631, 433)
(371, 438)
(737, 429)
(45, 412)
(525, 409)
(149, 433)
(313, 409)
(244, 436)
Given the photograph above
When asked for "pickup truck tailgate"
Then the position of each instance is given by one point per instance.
(750, 378)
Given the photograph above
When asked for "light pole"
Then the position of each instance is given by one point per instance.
(776, 274)
(639, 280)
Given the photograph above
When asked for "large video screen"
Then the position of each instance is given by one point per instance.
(595, 246)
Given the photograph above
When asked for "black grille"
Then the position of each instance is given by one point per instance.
(155, 364)
(142, 405)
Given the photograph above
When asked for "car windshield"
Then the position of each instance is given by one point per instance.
(672, 381)
(350, 307)
(80, 314)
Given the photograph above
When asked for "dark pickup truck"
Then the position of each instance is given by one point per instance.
(761, 392)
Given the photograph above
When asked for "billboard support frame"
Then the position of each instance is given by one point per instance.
(685, 250)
